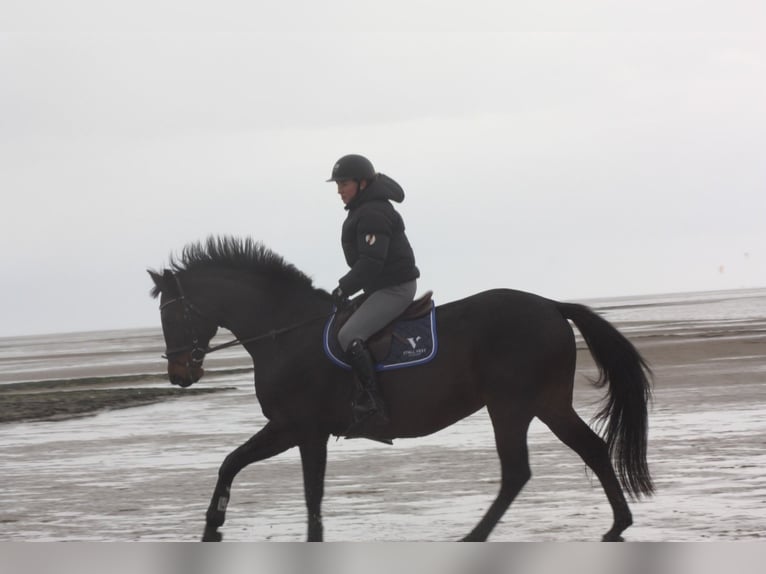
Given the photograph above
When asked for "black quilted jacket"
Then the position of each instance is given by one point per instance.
(374, 242)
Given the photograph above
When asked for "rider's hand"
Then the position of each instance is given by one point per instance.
(339, 298)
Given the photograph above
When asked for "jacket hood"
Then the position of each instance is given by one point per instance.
(382, 187)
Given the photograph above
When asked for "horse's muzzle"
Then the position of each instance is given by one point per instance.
(184, 375)
(181, 382)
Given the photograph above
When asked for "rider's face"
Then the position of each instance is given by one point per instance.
(348, 188)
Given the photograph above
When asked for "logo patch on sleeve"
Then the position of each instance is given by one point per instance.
(369, 239)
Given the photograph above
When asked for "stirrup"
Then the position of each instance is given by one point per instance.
(387, 441)
(360, 429)
(366, 423)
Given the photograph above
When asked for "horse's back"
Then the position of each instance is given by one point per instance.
(503, 296)
(509, 309)
(520, 331)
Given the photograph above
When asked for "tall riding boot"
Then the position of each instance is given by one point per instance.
(369, 405)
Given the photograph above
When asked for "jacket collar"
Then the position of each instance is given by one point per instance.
(382, 187)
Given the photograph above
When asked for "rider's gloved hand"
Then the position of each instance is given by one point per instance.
(339, 298)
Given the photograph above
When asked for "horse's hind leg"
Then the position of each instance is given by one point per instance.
(577, 435)
(511, 440)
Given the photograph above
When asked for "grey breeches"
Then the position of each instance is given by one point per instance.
(378, 310)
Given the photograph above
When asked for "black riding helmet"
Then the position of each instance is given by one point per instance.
(356, 167)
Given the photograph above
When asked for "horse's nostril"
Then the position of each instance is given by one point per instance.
(180, 381)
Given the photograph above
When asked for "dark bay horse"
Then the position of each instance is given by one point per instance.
(510, 351)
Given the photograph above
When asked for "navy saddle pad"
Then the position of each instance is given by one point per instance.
(412, 342)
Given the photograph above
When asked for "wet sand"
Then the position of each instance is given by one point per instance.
(29, 403)
(147, 473)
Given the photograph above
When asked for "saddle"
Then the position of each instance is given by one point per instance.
(380, 343)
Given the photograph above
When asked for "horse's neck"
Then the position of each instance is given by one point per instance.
(250, 311)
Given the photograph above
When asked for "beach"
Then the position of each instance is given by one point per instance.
(79, 465)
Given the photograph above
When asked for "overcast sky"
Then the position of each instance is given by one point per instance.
(574, 149)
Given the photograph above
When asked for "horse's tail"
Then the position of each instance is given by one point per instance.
(624, 413)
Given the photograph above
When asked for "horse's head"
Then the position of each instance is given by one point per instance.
(187, 330)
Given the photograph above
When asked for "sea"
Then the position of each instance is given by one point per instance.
(146, 473)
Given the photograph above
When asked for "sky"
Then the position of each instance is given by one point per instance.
(577, 150)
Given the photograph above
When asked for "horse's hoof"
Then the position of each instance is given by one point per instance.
(612, 538)
(473, 538)
(212, 536)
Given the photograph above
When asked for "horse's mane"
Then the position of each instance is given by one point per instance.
(239, 255)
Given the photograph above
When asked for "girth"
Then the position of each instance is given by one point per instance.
(380, 343)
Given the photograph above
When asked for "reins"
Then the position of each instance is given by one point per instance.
(273, 334)
(198, 353)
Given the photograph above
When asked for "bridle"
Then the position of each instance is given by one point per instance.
(196, 352)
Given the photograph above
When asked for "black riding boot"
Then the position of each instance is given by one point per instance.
(368, 406)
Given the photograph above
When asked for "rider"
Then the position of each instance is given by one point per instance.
(382, 265)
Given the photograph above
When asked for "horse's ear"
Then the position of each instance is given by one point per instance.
(159, 282)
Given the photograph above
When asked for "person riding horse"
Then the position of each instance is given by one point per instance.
(512, 352)
(382, 264)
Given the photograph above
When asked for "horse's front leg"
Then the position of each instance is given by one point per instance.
(314, 460)
(268, 442)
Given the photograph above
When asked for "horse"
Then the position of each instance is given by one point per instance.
(509, 351)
